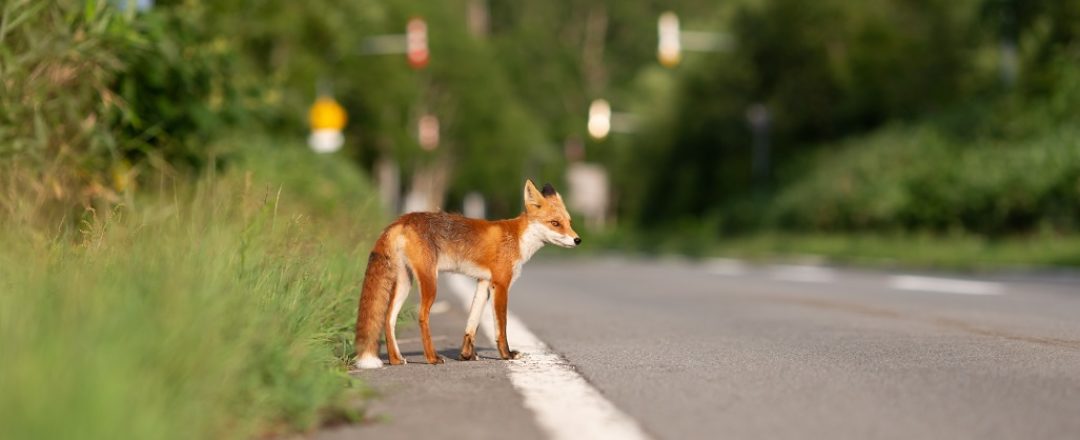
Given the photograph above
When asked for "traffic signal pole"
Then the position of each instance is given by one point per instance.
(413, 43)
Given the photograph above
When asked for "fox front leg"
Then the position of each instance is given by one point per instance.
(499, 308)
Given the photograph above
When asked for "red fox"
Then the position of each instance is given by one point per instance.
(420, 245)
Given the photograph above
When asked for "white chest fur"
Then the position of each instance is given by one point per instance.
(531, 241)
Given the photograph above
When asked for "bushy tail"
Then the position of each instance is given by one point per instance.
(379, 282)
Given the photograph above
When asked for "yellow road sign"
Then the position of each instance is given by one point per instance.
(326, 114)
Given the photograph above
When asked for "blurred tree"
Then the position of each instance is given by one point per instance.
(291, 49)
(164, 83)
(1046, 30)
(824, 70)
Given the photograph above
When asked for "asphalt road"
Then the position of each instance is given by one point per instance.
(726, 350)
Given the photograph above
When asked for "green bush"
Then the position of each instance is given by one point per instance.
(178, 85)
(92, 96)
(918, 179)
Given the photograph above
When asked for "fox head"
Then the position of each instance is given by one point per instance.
(548, 217)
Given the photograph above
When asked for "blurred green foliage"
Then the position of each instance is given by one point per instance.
(917, 179)
(290, 51)
(95, 97)
(153, 89)
(178, 88)
(885, 115)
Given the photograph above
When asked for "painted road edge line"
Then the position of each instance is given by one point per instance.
(944, 285)
(566, 406)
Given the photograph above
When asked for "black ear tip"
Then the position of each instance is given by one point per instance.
(548, 190)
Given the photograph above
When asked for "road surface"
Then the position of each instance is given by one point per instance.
(722, 349)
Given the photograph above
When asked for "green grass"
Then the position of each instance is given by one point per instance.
(221, 309)
(902, 250)
(917, 251)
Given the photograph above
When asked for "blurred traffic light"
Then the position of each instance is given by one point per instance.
(670, 48)
(416, 43)
(428, 132)
(599, 119)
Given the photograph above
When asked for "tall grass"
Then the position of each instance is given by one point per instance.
(136, 302)
(220, 309)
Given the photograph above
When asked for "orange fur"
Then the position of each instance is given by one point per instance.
(417, 246)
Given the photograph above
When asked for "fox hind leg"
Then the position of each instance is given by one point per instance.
(468, 350)
(426, 278)
(400, 293)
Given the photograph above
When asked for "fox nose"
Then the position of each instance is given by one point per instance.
(577, 240)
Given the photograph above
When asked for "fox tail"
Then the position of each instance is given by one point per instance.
(379, 283)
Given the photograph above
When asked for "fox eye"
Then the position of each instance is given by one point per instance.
(555, 223)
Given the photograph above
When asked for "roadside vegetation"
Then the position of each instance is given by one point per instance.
(172, 263)
(961, 252)
(217, 308)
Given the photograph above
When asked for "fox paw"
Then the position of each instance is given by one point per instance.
(514, 354)
(438, 360)
(368, 363)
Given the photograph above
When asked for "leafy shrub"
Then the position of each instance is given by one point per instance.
(178, 86)
(918, 179)
(92, 95)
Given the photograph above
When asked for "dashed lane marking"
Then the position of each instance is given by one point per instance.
(803, 274)
(725, 266)
(822, 274)
(944, 285)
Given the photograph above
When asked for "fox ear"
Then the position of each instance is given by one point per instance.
(548, 191)
(533, 197)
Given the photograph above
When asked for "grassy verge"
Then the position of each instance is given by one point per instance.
(955, 252)
(220, 309)
(917, 251)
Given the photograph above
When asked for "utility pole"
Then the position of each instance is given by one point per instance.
(757, 116)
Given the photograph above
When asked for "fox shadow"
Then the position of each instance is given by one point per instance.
(482, 354)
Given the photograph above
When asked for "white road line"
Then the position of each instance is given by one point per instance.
(565, 405)
(944, 285)
(440, 307)
(803, 274)
(725, 266)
